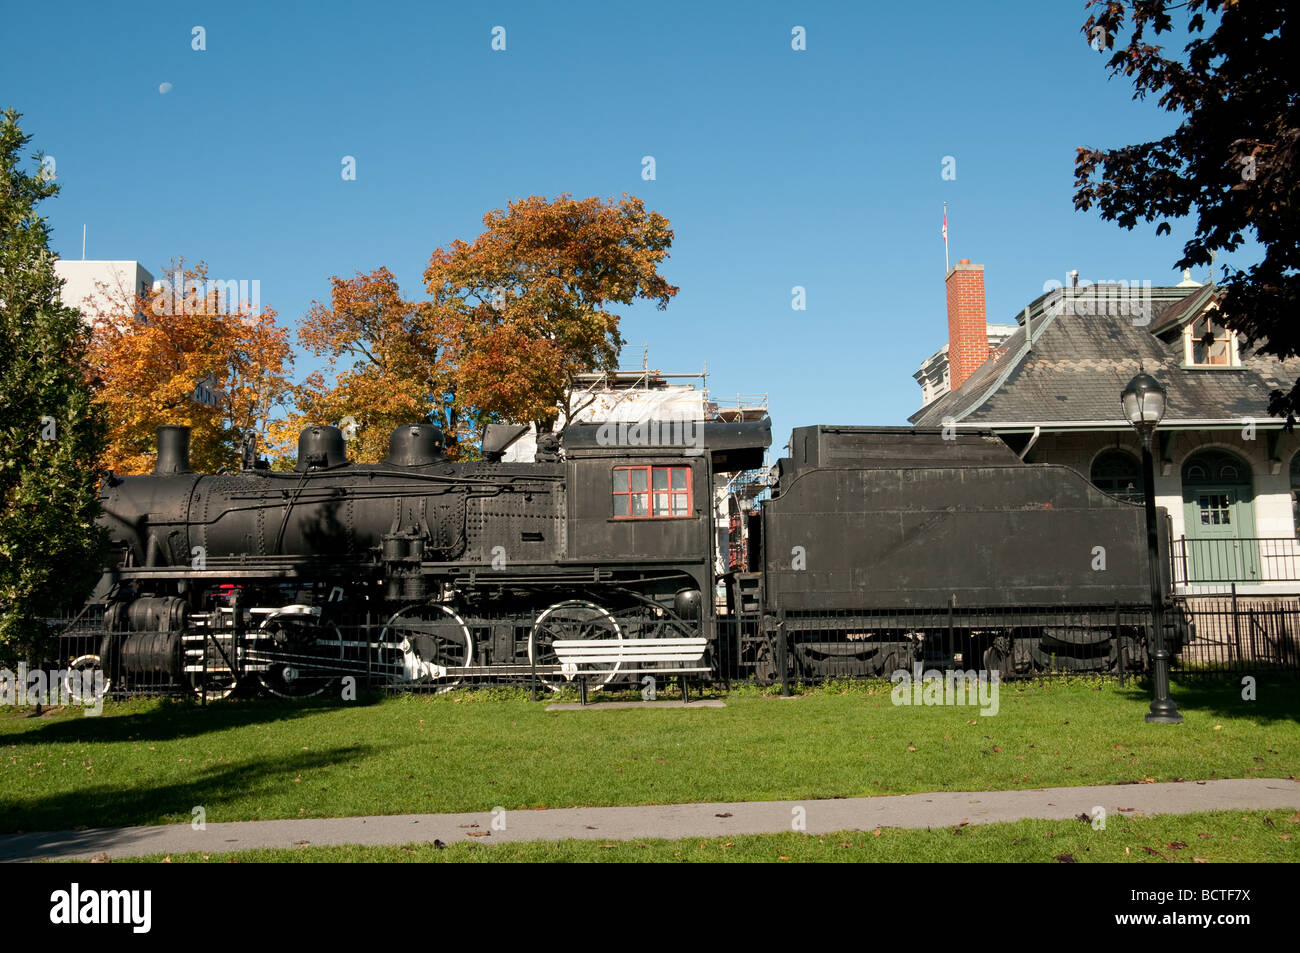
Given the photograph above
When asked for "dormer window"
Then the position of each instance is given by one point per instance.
(1207, 343)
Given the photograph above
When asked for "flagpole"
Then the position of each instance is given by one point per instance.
(946, 267)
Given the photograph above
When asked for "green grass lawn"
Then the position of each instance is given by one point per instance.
(153, 762)
(1211, 837)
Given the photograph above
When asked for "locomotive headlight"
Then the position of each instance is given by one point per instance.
(1143, 401)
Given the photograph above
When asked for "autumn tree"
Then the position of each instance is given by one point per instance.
(50, 434)
(187, 353)
(530, 299)
(1232, 161)
(389, 362)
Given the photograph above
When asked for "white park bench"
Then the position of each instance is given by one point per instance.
(580, 658)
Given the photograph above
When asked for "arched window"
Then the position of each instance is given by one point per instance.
(1118, 473)
(1216, 466)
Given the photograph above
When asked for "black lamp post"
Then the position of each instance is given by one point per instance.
(1143, 401)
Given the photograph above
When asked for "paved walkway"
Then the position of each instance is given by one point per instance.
(670, 821)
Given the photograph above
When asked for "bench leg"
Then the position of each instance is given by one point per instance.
(686, 694)
(582, 688)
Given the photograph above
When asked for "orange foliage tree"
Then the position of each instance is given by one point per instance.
(529, 300)
(186, 355)
(390, 361)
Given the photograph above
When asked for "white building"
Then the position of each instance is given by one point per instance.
(99, 287)
(94, 287)
(933, 375)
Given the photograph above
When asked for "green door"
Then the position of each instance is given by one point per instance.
(1218, 553)
(1219, 514)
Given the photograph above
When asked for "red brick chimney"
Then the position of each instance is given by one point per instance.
(968, 337)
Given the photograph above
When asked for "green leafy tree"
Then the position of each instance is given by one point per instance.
(51, 437)
(1233, 161)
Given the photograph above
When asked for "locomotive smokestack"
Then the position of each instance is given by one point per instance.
(173, 451)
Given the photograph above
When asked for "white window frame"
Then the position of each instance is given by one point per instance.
(1189, 352)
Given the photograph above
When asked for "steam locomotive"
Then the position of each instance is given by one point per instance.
(877, 547)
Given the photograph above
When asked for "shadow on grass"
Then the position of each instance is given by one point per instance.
(172, 719)
(103, 806)
(1277, 697)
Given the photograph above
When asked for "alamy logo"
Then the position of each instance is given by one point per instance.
(687, 432)
(1128, 299)
(181, 295)
(67, 686)
(952, 687)
(134, 907)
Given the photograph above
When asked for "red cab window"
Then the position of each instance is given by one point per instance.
(651, 492)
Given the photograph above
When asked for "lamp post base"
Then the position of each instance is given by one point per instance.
(1164, 714)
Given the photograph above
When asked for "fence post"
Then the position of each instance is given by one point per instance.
(236, 634)
(782, 655)
(1235, 650)
(203, 662)
(1119, 647)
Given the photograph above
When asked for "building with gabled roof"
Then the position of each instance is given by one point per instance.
(1227, 473)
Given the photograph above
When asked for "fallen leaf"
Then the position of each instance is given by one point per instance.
(478, 833)
(1066, 858)
(724, 814)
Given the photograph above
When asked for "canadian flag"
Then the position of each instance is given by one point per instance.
(945, 223)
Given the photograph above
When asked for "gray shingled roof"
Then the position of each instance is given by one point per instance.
(1082, 357)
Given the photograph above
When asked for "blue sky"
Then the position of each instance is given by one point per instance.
(819, 168)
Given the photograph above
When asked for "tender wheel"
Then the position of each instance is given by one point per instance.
(299, 649)
(435, 644)
(74, 688)
(574, 619)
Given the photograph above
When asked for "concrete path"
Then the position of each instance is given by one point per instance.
(669, 821)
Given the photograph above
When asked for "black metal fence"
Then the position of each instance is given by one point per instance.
(434, 650)
(1221, 562)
